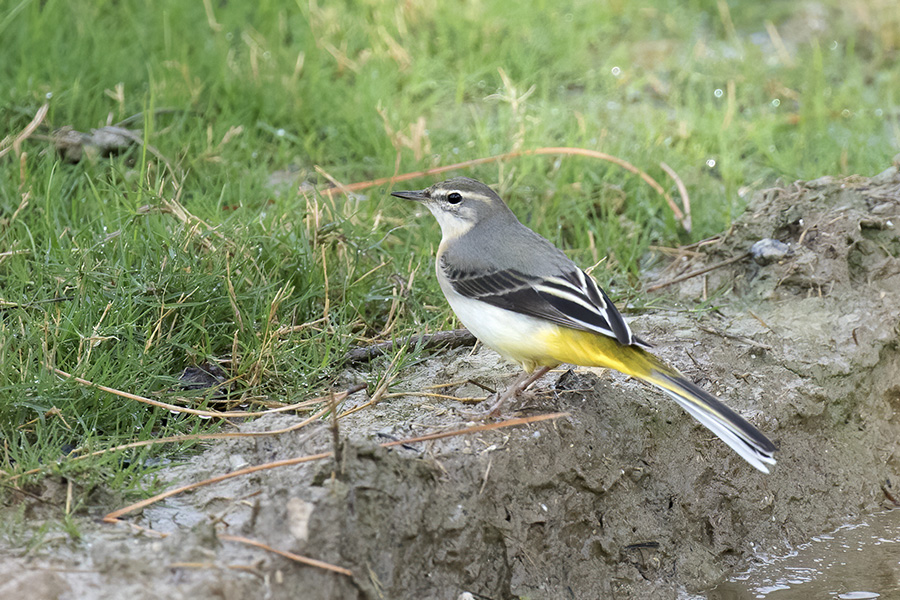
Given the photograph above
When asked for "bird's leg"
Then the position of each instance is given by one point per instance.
(514, 389)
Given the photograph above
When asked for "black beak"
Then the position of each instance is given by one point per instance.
(417, 195)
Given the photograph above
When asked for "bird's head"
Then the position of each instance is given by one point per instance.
(458, 204)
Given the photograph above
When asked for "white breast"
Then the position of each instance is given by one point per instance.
(514, 336)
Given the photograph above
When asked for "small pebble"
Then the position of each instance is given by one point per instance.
(236, 461)
(767, 251)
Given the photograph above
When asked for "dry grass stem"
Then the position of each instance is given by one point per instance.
(783, 55)
(193, 411)
(203, 437)
(337, 184)
(289, 555)
(731, 107)
(292, 329)
(467, 399)
(477, 428)
(380, 389)
(682, 191)
(14, 144)
(118, 514)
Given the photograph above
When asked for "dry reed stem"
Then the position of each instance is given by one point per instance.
(568, 151)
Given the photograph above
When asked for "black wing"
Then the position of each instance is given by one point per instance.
(572, 299)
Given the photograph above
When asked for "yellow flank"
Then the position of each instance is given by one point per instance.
(589, 349)
(564, 345)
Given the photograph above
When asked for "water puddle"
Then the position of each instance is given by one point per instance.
(855, 562)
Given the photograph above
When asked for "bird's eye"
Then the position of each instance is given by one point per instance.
(454, 197)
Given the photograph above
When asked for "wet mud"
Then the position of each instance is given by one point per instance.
(626, 497)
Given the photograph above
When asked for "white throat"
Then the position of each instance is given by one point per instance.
(452, 226)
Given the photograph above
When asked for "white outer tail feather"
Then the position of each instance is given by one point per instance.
(725, 432)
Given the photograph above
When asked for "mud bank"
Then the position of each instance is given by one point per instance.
(625, 498)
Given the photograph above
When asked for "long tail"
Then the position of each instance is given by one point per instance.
(730, 427)
(590, 349)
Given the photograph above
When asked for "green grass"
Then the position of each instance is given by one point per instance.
(99, 279)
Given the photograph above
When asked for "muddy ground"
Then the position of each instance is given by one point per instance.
(627, 497)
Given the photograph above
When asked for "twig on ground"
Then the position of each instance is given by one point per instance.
(698, 272)
(740, 338)
(451, 339)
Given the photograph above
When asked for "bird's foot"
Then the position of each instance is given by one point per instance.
(495, 409)
(500, 398)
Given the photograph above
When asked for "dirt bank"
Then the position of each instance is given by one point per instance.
(625, 498)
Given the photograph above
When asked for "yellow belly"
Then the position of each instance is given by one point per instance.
(596, 350)
(534, 343)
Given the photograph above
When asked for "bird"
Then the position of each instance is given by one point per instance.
(521, 296)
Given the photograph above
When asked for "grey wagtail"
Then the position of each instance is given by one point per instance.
(521, 296)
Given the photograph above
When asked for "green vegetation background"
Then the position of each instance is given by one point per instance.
(101, 277)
